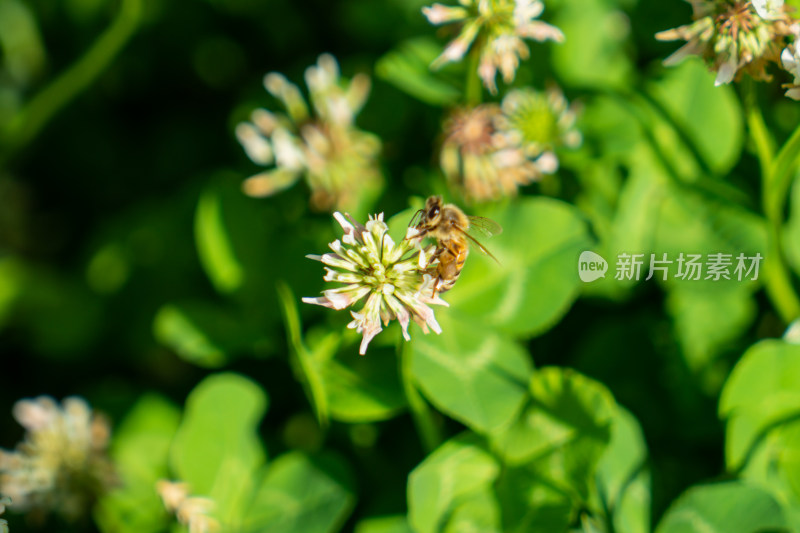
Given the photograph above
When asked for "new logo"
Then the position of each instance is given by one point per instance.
(591, 266)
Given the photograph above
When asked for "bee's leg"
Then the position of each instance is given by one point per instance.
(422, 233)
(454, 253)
(435, 287)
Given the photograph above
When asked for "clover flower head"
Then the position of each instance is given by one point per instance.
(320, 143)
(490, 150)
(499, 27)
(540, 121)
(733, 36)
(790, 61)
(394, 278)
(62, 464)
(191, 511)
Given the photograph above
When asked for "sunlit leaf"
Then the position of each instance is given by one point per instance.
(707, 320)
(710, 117)
(763, 389)
(457, 471)
(202, 333)
(301, 494)
(479, 512)
(529, 502)
(471, 373)
(217, 449)
(140, 452)
(660, 215)
(593, 53)
(214, 244)
(537, 278)
(384, 524)
(12, 278)
(563, 430)
(363, 389)
(20, 42)
(407, 67)
(732, 507)
(623, 477)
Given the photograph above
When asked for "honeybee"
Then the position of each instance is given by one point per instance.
(449, 225)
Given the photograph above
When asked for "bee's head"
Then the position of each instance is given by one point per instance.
(433, 211)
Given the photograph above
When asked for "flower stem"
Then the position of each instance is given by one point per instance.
(762, 140)
(474, 91)
(24, 126)
(303, 361)
(776, 177)
(776, 184)
(429, 431)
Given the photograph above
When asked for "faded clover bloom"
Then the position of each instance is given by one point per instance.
(393, 277)
(733, 36)
(62, 464)
(498, 27)
(321, 144)
(191, 511)
(490, 150)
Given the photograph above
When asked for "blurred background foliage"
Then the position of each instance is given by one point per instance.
(135, 273)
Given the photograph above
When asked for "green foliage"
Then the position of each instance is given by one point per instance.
(708, 119)
(299, 494)
(471, 373)
(593, 54)
(214, 246)
(523, 295)
(450, 487)
(216, 449)
(140, 451)
(623, 479)
(732, 507)
(135, 272)
(407, 68)
(762, 391)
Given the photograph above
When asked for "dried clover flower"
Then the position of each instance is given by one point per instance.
(62, 464)
(490, 150)
(393, 277)
(733, 36)
(191, 511)
(322, 143)
(498, 27)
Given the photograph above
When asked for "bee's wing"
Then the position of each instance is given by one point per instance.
(475, 241)
(485, 226)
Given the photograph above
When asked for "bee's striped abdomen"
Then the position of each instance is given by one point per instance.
(451, 262)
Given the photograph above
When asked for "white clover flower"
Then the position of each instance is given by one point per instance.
(733, 36)
(500, 26)
(393, 277)
(768, 9)
(191, 511)
(62, 464)
(490, 150)
(790, 61)
(321, 144)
